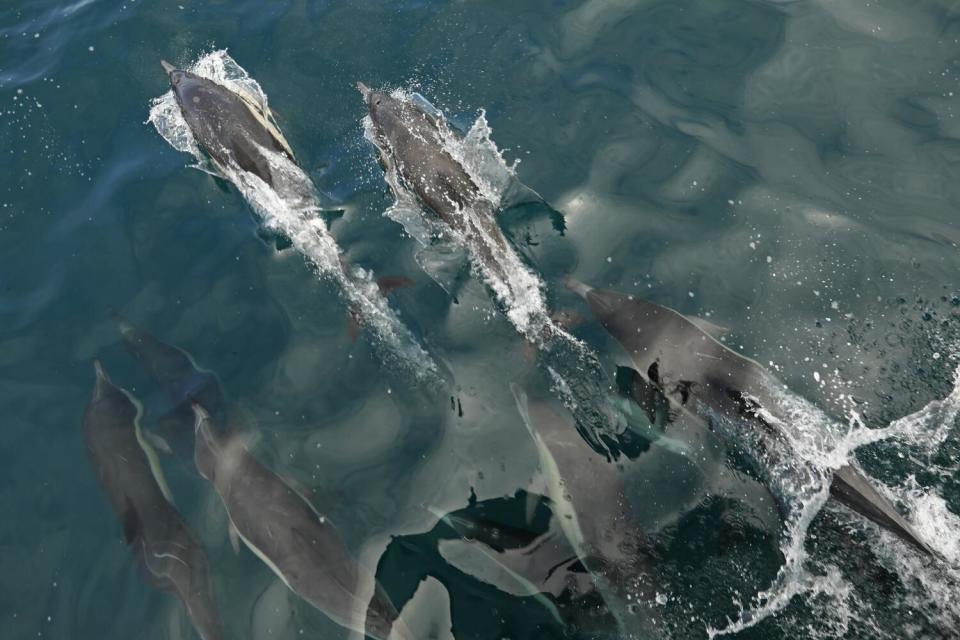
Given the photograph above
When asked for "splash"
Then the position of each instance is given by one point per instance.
(516, 288)
(823, 445)
(575, 370)
(291, 208)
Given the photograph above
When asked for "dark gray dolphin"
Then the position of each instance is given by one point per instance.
(735, 394)
(285, 531)
(410, 140)
(235, 130)
(182, 380)
(129, 471)
(590, 501)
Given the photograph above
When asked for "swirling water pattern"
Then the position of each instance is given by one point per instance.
(787, 169)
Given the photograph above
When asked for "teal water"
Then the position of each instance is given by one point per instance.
(788, 169)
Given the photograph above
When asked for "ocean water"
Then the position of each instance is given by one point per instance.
(788, 170)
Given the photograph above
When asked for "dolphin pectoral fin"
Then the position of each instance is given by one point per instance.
(389, 284)
(630, 384)
(567, 320)
(331, 215)
(158, 442)
(222, 183)
(713, 330)
(234, 536)
(852, 488)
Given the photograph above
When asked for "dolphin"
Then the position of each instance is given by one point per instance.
(590, 498)
(175, 370)
(183, 381)
(737, 396)
(409, 140)
(129, 471)
(288, 534)
(234, 129)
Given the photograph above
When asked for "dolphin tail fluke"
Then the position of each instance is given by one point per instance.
(852, 488)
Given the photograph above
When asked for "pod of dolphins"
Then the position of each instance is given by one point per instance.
(681, 368)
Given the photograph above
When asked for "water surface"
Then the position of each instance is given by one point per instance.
(789, 169)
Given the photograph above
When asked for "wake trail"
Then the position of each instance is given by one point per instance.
(291, 208)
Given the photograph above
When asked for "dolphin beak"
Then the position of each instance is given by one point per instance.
(578, 287)
(364, 90)
(169, 68)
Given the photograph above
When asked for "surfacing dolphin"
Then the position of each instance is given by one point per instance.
(233, 129)
(740, 399)
(129, 471)
(285, 531)
(410, 141)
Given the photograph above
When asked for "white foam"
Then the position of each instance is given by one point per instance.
(291, 208)
(827, 444)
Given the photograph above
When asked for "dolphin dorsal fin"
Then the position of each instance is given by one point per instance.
(711, 329)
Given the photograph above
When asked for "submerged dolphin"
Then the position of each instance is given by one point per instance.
(284, 530)
(590, 500)
(182, 380)
(235, 130)
(410, 140)
(735, 394)
(129, 471)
